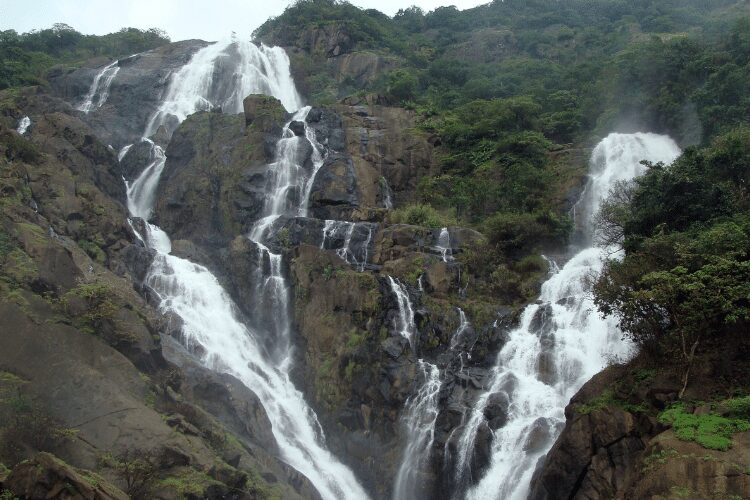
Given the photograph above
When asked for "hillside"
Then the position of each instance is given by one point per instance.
(492, 253)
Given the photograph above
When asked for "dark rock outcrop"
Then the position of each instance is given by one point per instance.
(334, 192)
(135, 93)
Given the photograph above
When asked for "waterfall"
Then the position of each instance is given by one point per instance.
(102, 79)
(420, 412)
(561, 342)
(23, 125)
(192, 292)
(419, 427)
(141, 192)
(463, 325)
(444, 245)
(124, 151)
(248, 68)
(339, 235)
(405, 322)
(289, 186)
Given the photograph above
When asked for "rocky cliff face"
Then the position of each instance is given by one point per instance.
(134, 95)
(85, 342)
(332, 50)
(80, 350)
(614, 446)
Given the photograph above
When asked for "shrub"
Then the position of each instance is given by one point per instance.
(98, 302)
(710, 431)
(420, 215)
(136, 468)
(518, 233)
(26, 427)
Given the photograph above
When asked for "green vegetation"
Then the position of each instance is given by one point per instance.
(27, 57)
(136, 468)
(503, 83)
(683, 286)
(609, 399)
(92, 304)
(710, 431)
(420, 215)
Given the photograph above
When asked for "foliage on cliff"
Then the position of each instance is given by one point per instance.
(503, 84)
(683, 287)
(27, 57)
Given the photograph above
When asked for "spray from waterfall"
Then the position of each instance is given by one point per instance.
(561, 342)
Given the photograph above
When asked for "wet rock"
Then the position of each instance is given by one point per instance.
(136, 160)
(297, 127)
(137, 260)
(394, 346)
(263, 112)
(334, 188)
(542, 431)
(135, 93)
(383, 144)
(482, 452)
(213, 184)
(46, 476)
(328, 128)
(496, 411)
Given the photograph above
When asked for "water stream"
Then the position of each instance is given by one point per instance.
(23, 125)
(191, 291)
(99, 90)
(561, 342)
(418, 422)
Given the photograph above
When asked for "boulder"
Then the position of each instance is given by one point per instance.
(297, 127)
(334, 188)
(136, 160)
(46, 476)
(263, 112)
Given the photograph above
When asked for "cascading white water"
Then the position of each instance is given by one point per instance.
(561, 342)
(444, 245)
(23, 125)
(99, 90)
(124, 151)
(405, 321)
(352, 254)
(250, 69)
(193, 293)
(387, 193)
(463, 325)
(142, 191)
(419, 428)
(290, 183)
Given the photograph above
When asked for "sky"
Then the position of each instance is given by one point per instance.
(181, 19)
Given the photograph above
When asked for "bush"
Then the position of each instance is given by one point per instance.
(27, 427)
(519, 233)
(136, 468)
(420, 215)
(19, 148)
(710, 431)
(402, 85)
